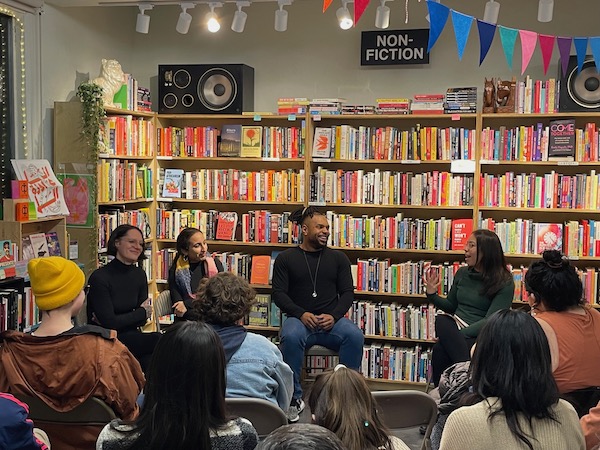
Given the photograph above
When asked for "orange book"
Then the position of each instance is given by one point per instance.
(259, 272)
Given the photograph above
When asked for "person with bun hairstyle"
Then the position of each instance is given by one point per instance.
(118, 293)
(478, 290)
(64, 365)
(341, 401)
(555, 294)
(312, 285)
(191, 264)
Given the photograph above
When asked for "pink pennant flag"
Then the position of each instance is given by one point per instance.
(528, 42)
(326, 4)
(547, 47)
(359, 9)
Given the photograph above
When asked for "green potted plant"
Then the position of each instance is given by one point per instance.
(93, 115)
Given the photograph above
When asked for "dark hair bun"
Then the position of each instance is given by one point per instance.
(555, 259)
(296, 216)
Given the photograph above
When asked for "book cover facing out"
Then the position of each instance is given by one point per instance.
(549, 237)
(461, 230)
(7, 260)
(226, 225)
(561, 141)
(173, 183)
(251, 142)
(231, 140)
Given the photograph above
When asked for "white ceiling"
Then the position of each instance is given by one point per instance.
(77, 3)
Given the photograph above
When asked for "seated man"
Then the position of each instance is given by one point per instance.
(312, 284)
(64, 365)
(255, 367)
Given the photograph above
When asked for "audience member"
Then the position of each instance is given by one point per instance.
(341, 401)
(301, 436)
(591, 428)
(16, 430)
(184, 405)
(478, 290)
(118, 293)
(312, 284)
(255, 367)
(192, 263)
(520, 407)
(571, 326)
(64, 365)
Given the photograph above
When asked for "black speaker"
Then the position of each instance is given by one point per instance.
(205, 89)
(579, 91)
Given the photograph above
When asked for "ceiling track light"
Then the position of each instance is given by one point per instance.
(343, 15)
(142, 24)
(212, 20)
(382, 15)
(492, 9)
(239, 17)
(281, 15)
(427, 16)
(545, 10)
(185, 19)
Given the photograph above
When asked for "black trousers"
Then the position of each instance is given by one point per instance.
(141, 345)
(452, 346)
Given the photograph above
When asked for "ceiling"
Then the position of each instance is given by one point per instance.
(78, 3)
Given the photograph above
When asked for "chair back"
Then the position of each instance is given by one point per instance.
(407, 409)
(91, 412)
(162, 306)
(264, 415)
(583, 399)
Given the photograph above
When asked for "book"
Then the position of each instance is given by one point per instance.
(259, 312)
(53, 243)
(231, 141)
(7, 260)
(561, 142)
(461, 230)
(173, 183)
(226, 225)
(259, 272)
(251, 142)
(548, 236)
(39, 244)
(274, 315)
(27, 249)
(322, 142)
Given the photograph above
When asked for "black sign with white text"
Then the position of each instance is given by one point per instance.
(394, 47)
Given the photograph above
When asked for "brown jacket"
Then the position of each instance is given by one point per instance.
(65, 370)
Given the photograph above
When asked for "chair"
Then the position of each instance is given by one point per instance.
(407, 409)
(583, 399)
(91, 412)
(264, 415)
(162, 306)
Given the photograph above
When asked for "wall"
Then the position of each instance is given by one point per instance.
(314, 58)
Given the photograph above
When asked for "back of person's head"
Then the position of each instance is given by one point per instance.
(554, 281)
(183, 239)
(491, 261)
(224, 299)
(301, 215)
(185, 389)
(512, 361)
(55, 281)
(119, 233)
(341, 401)
(301, 436)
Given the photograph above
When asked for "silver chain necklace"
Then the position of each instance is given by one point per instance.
(313, 280)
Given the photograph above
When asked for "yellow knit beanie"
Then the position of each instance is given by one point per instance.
(55, 281)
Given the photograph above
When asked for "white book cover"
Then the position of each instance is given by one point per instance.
(39, 244)
(322, 143)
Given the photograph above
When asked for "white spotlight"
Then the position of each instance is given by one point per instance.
(142, 24)
(382, 16)
(239, 17)
(185, 19)
(281, 15)
(427, 16)
(212, 20)
(492, 9)
(344, 17)
(545, 10)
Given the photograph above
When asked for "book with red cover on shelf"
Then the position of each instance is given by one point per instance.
(461, 230)
(226, 225)
(549, 236)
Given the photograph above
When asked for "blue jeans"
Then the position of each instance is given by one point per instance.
(345, 338)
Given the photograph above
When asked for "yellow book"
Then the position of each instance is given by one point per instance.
(251, 142)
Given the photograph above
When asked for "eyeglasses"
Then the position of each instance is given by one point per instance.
(86, 289)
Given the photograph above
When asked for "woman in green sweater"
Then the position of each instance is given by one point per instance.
(479, 290)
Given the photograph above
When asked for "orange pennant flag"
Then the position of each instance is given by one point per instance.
(326, 4)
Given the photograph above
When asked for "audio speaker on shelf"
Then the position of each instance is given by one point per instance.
(579, 91)
(205, 88)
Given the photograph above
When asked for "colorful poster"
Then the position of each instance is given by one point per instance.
(78, 190)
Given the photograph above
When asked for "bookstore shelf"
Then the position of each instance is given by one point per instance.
(523, 163)
(127, 157)
(393, 207)
(228, 202)
(378, 337)
(538, 210)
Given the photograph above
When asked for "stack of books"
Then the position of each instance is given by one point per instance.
(326, 106)
(461, 100)
(292, 105)
(143, 100)
(427, 104)
(393, 106)
(358, 109)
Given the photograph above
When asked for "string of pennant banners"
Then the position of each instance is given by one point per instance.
(438, 15)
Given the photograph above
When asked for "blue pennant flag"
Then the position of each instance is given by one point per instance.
(487, 31)
(581, 49)
(595, 45)
(462, 28)
(438, 15)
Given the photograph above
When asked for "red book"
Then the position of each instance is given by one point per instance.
(461, 230)
(274, 228)
(548, 236)
(226, 225)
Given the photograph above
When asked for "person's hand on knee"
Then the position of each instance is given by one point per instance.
(326, 321)
(310, 320)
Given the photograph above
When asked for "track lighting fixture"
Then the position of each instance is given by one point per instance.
(427, 16)
(212, 20)
(492, 9)
(185, 19)
(281, 15)
(382, 16)
(239, 17)
(142, 24)
(344, 17)
(545, 10)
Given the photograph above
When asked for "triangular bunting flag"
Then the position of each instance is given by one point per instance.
(438, 15)
(581, 49)
(508, 37)
(487, 31)
(462, 27)
(564, 49)
(359, 9)
(595, 46)
(326, 4)
(528, 41)
(547, 47)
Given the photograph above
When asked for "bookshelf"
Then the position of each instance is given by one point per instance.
(16, 231)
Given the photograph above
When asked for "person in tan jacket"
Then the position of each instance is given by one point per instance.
(64, 365)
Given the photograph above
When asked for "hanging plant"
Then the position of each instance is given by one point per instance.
(93, 115)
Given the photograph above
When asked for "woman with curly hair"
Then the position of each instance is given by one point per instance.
(255, 367)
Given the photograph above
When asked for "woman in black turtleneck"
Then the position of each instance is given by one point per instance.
(118, 293)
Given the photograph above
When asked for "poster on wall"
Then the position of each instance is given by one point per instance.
(77, 189)
(394, 47)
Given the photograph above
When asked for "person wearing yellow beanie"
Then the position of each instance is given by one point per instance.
(55, 281)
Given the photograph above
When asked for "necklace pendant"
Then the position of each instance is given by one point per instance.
(314, 294)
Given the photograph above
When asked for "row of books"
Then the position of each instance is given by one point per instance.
(391, 188)
(127, 96)
(536, 96)
(460, 100)
(18, 311)
(144, 101)
(264, 313)
(109, 219)
(550, 190)
(316, 364)
(124, 180)
(388, 362)
(127, 136)
(390, 143)
(233, 184)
